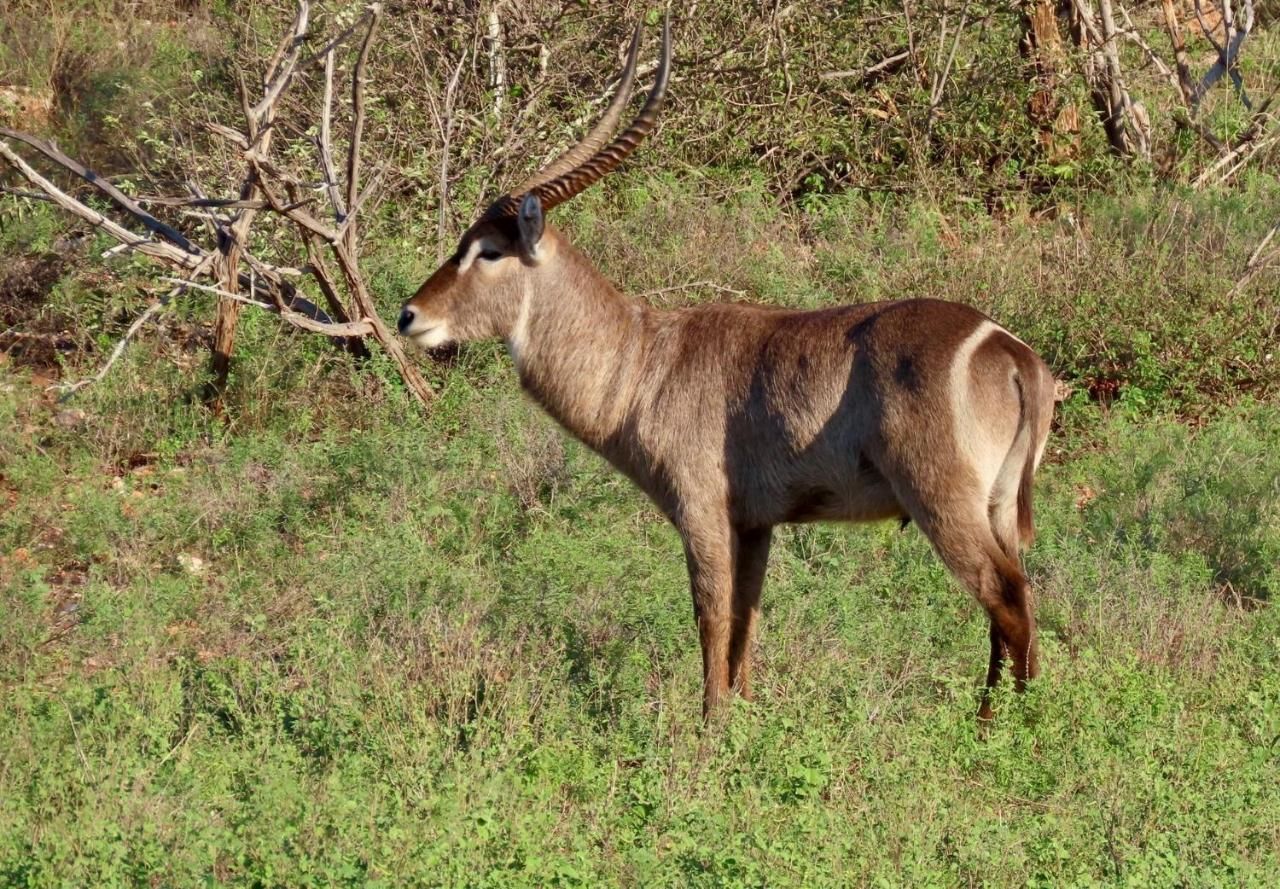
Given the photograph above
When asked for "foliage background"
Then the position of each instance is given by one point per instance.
(326, 639)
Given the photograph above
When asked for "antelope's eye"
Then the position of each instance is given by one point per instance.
(490, 255)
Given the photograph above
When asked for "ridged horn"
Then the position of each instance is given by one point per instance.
(591, 143)
(560, 189)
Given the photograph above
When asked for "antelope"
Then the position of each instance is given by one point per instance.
(735, 418)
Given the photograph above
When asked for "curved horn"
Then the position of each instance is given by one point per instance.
(556, 191)
(565, 186)
(591, 143)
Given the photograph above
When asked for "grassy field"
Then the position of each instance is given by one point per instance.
(333, 641)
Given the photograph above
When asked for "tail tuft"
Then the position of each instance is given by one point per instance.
(1032, 406)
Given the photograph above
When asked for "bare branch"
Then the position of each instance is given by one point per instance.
(940, 77)
(325, 144)
(1205, 29)
(160, 249)
(283, 65)
(1134, 114)
(1257, 263)
(357, 124)
(692, 285)
(246, 107)
(23, 193)
(444, 122)
(68, 389)
(291, 210)
(776, 24)
(335, 42)
(324, 280)
(1185, 88)
(1262, 245)
(52, 152)
(363, 302)
(1125, 121)
(1180, 80)
(234, 137)
(887, 65)
(281, 308)
(497, 60)
(239, 278)
(1231, 161)
(370, 190)
(1228, 51)
(911, 35)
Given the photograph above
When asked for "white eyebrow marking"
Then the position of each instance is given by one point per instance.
(472, 252)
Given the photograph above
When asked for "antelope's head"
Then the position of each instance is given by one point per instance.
(510, 251)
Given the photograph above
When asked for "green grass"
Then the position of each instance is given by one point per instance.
(327, 640)
(348, 645)
(330, 640)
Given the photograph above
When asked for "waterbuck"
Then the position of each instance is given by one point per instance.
(736, 418)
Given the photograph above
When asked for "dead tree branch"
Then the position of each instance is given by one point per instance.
(302, 320)
(1174, 28)
(229, 270)
(940, 77)
(161, 250)
(442, 112)
(1228, 51)
(497, 60)
(1257, 261)
(51, 151)
(325, 144)
(885, 66)
(1181, 81)
(67, 389)
(1125, 120)
(357, 126)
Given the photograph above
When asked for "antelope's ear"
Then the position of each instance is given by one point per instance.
(529, 221)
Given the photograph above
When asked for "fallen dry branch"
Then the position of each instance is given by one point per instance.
(301, 320)
(1259, 260)
(67, 389)
(51, 151)
(161, 250)
(228, 268)
(885, 66)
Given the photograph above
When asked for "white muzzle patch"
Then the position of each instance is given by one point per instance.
(429, 334)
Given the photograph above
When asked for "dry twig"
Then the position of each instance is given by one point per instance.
(264, 285)
(1258, 261)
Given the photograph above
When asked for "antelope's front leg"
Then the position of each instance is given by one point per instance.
(709, 553)
(748, 580)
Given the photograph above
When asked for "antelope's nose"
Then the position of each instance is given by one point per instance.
(407, 314)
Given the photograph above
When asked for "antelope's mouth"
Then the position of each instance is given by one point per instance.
(430, 338)
(425, 333)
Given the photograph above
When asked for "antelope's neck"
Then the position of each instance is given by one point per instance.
(578, 344)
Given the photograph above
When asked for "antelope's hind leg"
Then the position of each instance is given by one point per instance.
(972, 554)
(994, 667)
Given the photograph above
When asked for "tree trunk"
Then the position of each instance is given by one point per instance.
(1124, 120)
(226, 271)
(1056, 119)
(224, 343)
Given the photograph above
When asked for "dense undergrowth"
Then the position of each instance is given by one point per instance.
(354, 644)
(328, 639)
